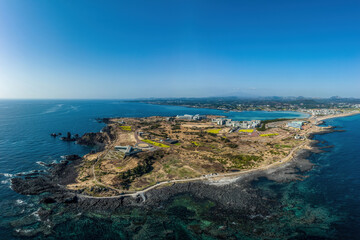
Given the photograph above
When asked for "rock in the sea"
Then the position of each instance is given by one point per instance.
(72, 157)
(73, 199)
(48, 200)
(70, 138)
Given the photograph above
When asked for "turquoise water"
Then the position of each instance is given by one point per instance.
(324, 205)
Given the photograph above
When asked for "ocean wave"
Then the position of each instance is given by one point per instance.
(32, 172)
(23, 231)
(41, 163)
(9, 175)
(53, 109)
(20, 202)
(5, 181)
(75, 108)
(36, 215)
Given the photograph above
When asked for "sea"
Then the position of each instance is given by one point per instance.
(324, 205)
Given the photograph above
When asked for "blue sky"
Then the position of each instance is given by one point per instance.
(131, 49)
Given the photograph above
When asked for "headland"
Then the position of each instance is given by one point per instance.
(138, 156)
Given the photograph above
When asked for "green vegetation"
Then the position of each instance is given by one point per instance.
(164, 135)
(126, 178)
(232, 145)
(154, 126)
(171, 162)
(262, 128)
(184, 172)
(274, 152)
(176, 127)
(242, 161)
(155, 143)
(282, 146)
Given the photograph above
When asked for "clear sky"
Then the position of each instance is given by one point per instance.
(170, 48)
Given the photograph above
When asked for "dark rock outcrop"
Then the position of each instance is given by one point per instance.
(72, 157)
(102, 138)
(33, 186)
(48, 200)
(70, 138)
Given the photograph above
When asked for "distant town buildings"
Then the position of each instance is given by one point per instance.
(195, 117)
(240, 124)
(322, 112)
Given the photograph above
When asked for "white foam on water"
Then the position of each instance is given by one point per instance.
(5, 181)
(20, 202)
(41, 163)
(9, 175)
(18, 230)
(36, 215)
(53, 109)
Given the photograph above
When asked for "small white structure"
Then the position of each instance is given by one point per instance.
(196, 117)
(299, 137)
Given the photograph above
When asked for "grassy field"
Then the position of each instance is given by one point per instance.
(282, 146)
(156, 143)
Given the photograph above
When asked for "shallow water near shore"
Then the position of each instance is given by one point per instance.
(324, 205)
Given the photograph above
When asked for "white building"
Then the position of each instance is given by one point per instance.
(191, 117)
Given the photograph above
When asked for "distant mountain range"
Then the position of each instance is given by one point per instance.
(270, 98)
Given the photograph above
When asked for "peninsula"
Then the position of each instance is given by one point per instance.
(139, 154)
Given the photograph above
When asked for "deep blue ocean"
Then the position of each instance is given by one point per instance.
(326, 205)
